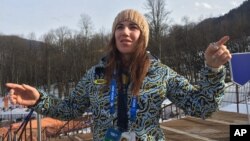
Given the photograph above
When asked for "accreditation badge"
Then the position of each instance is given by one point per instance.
(128, 136)
(112, 135)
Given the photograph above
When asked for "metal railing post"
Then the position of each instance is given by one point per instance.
(39, 138)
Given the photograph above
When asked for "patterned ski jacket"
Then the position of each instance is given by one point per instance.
(160, 83)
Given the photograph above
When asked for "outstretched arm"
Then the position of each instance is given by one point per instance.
(202, 100)
(71, 107)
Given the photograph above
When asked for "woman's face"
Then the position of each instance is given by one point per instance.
(126, 37)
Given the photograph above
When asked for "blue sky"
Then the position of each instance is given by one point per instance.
(21, 17)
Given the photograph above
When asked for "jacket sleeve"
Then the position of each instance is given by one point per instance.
(199, 100)
(72, 106)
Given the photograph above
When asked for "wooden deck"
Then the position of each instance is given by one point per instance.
(215, 128)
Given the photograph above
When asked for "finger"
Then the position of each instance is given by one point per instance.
(218, 45)
(211, 50)
(226, 56)
(11, 92)
(13, 98)
(225, 59)
(222, 41)
(221, 51)
(14, 86)
(213, 47)
(28, 87)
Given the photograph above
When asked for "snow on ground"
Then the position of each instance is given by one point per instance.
(13, 112)
(233, 108)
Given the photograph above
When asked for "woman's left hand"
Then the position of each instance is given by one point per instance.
(217, 53)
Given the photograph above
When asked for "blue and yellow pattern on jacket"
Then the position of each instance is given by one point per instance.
(160, 83)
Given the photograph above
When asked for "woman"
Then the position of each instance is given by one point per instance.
(126, 88)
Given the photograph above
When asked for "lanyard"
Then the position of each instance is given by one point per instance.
(133, 109)
(113, 94)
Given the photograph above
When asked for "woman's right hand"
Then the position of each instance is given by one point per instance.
(22, 94)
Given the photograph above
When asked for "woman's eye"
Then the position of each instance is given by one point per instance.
(119, 27)
(134, 27)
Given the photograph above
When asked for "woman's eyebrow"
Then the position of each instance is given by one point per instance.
(132, 23)
(119, 24)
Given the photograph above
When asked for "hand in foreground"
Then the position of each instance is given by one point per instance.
(217, 53)
(22, 94)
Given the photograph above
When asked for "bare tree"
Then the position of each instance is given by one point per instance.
(31, 36)
(49, 39)
(157, 17)
(62, 34)
(86, 25)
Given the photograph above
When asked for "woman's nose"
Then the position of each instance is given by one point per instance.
(125, 31)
